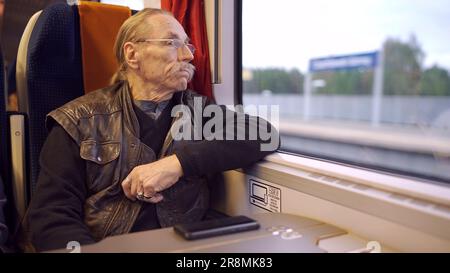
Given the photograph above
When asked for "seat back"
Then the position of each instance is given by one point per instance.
(54, 71)
(99, 24)
(3, 120)
(6, 209)
(3, 154)
(53, 75)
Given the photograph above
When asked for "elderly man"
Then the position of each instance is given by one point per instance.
(111, 165)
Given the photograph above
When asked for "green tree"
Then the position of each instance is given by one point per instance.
(402, 66)
(274, 79)
(297, 80)
(435, 82)
(356, 81)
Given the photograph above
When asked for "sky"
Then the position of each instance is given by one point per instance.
(287, 33)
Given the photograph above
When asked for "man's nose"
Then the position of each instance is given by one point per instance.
(185, 54)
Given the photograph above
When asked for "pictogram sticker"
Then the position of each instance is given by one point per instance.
(265, 196)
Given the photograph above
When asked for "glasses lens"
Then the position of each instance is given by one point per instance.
(191, 48)
(180, 43)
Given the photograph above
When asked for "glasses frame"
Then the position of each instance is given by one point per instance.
(177, 43)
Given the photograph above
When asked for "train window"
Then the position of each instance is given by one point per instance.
(359, 82)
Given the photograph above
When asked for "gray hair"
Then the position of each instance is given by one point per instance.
(132, 29)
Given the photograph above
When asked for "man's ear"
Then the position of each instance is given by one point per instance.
(131, 55)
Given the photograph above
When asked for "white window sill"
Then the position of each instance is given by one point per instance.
(370, 204)
(436, 193)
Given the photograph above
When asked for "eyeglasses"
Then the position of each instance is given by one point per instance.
(176, 43)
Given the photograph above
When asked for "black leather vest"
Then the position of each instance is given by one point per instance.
(105, 127)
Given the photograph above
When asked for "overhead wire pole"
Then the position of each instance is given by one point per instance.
(377, 92)
(307, 95)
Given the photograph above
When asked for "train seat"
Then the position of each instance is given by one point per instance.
(62, 55)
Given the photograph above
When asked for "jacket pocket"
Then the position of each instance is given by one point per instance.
(101, 162)
(100, 153)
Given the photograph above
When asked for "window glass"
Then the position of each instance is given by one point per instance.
(360, 82)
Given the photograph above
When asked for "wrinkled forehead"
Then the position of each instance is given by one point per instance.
(165, 26)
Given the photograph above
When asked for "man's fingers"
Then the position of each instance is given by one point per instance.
(140, 189)
(135, 187)
(126, 186)
(155, 184)
(148, 187)
(158, 197)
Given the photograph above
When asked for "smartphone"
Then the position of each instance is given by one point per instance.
(216, 227)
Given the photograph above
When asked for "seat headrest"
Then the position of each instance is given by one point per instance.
(99, 24)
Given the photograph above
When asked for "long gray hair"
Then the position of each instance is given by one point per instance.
(131, 30)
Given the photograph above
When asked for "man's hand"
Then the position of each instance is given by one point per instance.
(146, 181)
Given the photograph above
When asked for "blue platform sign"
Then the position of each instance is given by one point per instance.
(347, 62)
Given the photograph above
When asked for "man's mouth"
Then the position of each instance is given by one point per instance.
(185, 73)
(185, 70)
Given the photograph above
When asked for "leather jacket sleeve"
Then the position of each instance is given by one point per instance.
(207, 157)
(55, 215)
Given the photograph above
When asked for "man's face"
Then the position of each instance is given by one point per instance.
(160, 63)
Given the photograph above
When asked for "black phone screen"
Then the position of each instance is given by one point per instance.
(216, 227)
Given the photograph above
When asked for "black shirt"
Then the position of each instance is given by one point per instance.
(154, 121)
